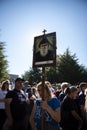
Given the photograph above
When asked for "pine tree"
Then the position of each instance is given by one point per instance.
(3, 63)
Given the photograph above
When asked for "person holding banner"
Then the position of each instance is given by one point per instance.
(51, 106)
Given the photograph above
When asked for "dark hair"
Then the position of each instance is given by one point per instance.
(70, 90)
(44, 41)
(29, 89)
(19, 79)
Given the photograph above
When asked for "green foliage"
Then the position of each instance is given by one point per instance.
(51, 74)
(3, 63)
(67, 69)
(67, 66)
(33, 75)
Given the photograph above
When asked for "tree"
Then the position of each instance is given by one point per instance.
(51, 74)
(69, 69)
(33, 75)
(3, 63)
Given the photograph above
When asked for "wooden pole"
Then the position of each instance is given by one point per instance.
(43, 82)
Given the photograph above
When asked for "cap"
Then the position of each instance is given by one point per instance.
(44, 41)
(6, 81)
(64, 84)
(26, 82)
(83, 84)
(19, 79)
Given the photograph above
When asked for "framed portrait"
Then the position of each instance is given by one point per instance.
(44, 50)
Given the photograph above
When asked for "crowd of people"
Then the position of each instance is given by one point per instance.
(43, 106)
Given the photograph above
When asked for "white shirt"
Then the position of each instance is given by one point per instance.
(2, 96)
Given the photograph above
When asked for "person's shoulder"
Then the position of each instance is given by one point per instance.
(55, 100)
(10, 94)
(80, 93)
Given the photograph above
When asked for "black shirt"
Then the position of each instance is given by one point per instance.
(67, 106)
(18, 105)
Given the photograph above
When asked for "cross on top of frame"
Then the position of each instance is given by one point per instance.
(44, 31)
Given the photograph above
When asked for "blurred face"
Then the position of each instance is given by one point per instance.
(7, 85)
(46, 94)
(43, 49)
(74, 94)
(39, 91)
(19, 85)
(85, 87)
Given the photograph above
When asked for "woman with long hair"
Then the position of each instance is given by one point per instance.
(51, 107)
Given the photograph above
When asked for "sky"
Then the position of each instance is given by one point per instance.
(22, 20)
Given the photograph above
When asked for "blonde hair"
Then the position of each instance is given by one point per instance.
(46, 87)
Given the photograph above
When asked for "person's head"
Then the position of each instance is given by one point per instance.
(83, 86)
(48, 83)
(47, 92)
(19, 83)
(34, 90)
(64, 85)
(26, 83)
(71, 92)
(5, 85)
(44, 45)
(78, 88)
(29, 90)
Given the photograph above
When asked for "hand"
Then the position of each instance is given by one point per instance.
(44, 105)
